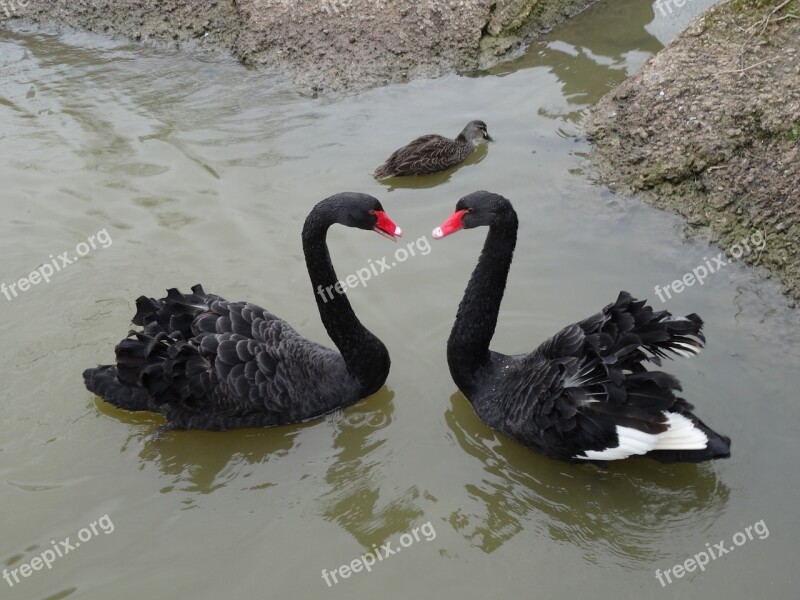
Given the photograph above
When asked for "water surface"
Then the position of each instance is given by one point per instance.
(201, 170)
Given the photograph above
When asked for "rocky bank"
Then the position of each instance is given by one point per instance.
(325, 45)
(710, 127)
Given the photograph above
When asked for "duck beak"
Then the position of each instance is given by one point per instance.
(487, 137)
(386, 227)
(452, 225)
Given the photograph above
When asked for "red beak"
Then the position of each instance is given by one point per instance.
(452, 225)
(385, 226)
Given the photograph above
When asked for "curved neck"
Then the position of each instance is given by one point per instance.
(365, 356)
(468, 346)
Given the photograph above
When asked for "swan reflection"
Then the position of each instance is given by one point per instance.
(360, 499)
(621, 512)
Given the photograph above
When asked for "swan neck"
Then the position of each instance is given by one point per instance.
(468, 346)
(365, 356)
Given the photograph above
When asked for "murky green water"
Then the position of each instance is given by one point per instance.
(203, 171)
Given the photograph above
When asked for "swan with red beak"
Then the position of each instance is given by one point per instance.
(586, 394)
(206, 363)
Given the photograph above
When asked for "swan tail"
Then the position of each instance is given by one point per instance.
(649, 420)
(640, 406)
(689, 439)
(103, 382)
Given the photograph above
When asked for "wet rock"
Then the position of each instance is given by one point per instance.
(721, 110)
(332, 45)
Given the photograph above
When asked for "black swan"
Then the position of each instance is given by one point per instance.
(206, 363)
(433, 153)
(584, 394)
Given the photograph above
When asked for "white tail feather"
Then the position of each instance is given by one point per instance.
(681, 435)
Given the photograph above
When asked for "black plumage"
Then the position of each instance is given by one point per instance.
(584, 394)
(206, 363)
(433, 153)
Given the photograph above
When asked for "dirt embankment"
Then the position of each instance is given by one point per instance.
(710, 127)
(330, 45)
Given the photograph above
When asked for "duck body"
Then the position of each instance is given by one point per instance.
(584, 395)
(206, 363)
(433, 153)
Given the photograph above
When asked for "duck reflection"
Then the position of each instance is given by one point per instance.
(622, 511)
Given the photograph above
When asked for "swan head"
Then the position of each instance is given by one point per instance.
(475, 132)
(475, 210)
(364, 212)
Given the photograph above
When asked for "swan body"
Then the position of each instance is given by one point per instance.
(585, 394)
(433, 153)
(207, 363)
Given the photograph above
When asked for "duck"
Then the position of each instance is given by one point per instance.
(206, 363)
(585, 394)
(433, 153)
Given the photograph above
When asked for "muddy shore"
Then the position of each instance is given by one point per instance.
(324, 45)
(710, 128)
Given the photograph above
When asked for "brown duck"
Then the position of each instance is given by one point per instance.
(433, 153)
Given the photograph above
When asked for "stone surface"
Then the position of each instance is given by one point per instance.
(326, 45)
(710, 127)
